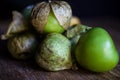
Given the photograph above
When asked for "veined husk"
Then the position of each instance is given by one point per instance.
(18, 25)
(54, 53)
(76, 30)
(73, 34)
(63, 12)
(23, 46)
(40, 13)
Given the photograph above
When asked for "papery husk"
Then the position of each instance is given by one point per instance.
(18, 25)
(63, 12)
(54, 53)
(40, 15)
(76, 30)
(23, 46)
(73, 34)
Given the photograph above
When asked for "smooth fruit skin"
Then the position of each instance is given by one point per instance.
(53, 25)
(96, 51)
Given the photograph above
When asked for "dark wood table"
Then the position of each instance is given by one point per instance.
(11, 69)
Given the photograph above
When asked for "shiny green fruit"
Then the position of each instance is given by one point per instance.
(96, 51)
(52, 25)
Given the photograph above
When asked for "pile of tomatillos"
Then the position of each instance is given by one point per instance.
(57, 40)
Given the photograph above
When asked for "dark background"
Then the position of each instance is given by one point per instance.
(81, 8)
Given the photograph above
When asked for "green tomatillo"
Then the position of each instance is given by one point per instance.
(52, 25)
(51, 17)
(96, 51)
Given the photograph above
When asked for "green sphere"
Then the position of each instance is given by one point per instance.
(96, 51)
(53, 25)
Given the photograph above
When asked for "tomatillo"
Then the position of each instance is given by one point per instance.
(96, 51)
(52, 16)
(54, 53)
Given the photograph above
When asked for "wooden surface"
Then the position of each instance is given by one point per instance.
(11, 69)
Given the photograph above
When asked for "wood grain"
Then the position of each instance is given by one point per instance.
(11, 69)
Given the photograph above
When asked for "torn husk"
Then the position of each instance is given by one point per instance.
(63, 12)
(16, 26)
(73, 34)
(40, 15)
(41, 12)
(75, 30)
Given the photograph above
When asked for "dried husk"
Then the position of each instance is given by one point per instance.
(63, 12)
(23, 46)
(73, 34)
(18, 25)
(40, 13)
(54, 53)
(76, 30)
